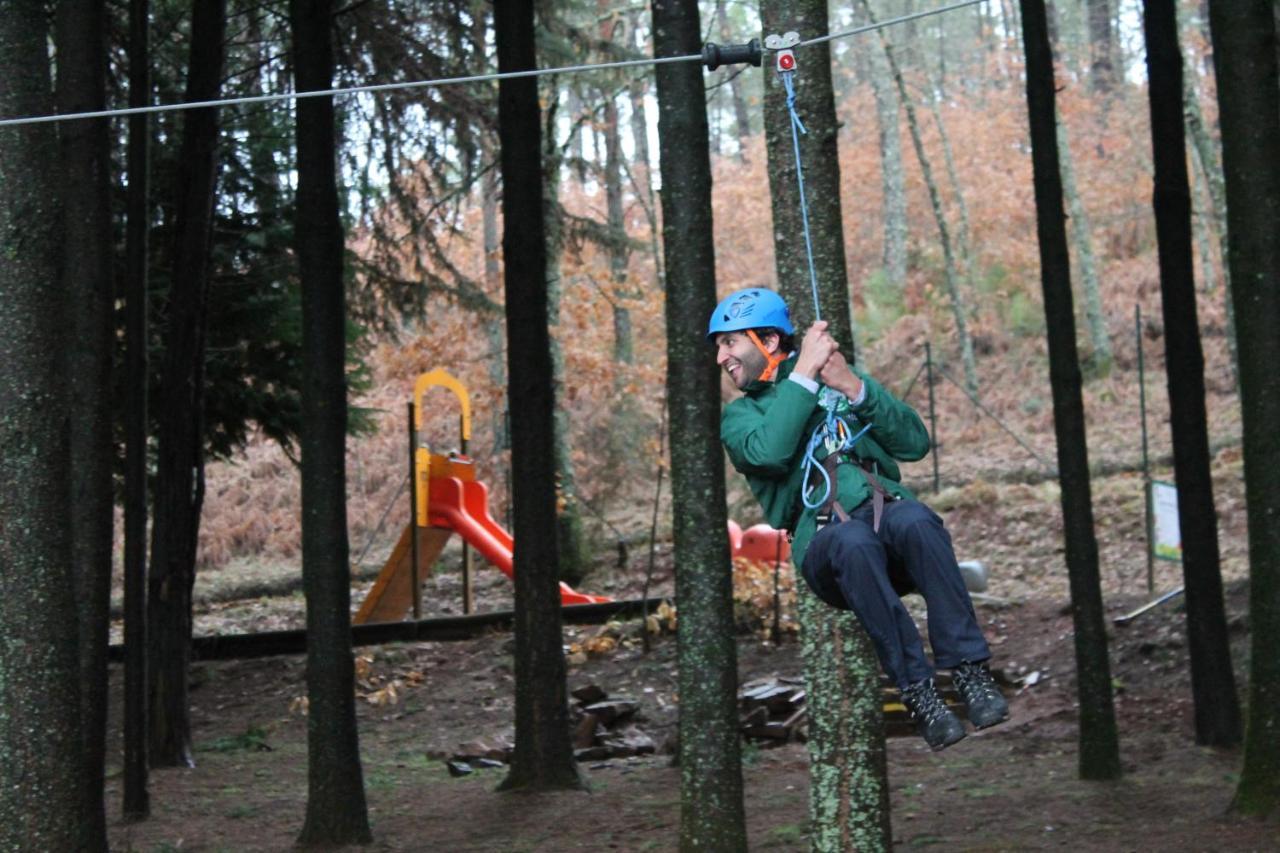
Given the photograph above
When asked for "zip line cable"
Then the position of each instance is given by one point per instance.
(475, 78)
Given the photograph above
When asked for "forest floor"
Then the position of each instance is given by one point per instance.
(1013, 787)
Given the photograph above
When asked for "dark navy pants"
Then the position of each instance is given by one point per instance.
(850, 566)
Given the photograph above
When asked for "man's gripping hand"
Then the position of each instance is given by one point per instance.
(835, 374)
(815, 351)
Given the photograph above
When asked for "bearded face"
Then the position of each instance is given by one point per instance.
(739, 357)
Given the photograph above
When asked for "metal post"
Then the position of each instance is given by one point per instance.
(933, 415)
(468, 595)
(414, 574)
(1146, 460)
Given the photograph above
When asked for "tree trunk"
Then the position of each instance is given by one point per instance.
(712, 815)
(1082, 231)
(741, 117)
(543, 756)
(87, 285)
(1205, 151)
(1102, 64)
(41, 739)
(959, 310)
(818, 156)
(848, 788)
(1245, 61)
(136, 800)
(574, 559)
(1213, 683)
(336, 812)
(618, 251)
(492, 287)
(179, 489)
(893, 205)
(1099, 744)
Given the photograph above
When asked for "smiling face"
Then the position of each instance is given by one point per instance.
(739, 357)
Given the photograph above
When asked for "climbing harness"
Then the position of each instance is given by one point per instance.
(833, 433)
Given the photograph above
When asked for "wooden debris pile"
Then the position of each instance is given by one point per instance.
(606, 728)
(603, 728)
(773, 711)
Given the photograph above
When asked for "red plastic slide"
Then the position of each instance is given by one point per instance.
(463, 506)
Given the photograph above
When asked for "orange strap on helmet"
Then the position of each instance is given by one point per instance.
(773, 358)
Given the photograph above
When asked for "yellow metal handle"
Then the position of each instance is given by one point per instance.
(442, 378)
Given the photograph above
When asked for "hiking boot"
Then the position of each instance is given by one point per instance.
(934, 720)
(981, 696)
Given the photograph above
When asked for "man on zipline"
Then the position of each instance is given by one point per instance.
(819, 444)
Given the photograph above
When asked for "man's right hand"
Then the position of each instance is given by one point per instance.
(815, 350)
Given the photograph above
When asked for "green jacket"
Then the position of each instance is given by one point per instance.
(766, 432)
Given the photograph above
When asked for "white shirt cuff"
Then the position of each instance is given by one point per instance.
(861, 398)
(804, 382)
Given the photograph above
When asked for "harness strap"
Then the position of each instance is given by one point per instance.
(773, 358)
(879, 494)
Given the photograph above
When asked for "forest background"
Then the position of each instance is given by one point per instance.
(939, 248)
(427, 264)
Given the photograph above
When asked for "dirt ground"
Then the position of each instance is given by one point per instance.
(1013, 787)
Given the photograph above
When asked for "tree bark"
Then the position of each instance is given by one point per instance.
(574, 559)
(1205, 150)
(179, 484)
(893, 205)
(741, 117)
(848, 782)
(818, 155)
(1082, 231)
(712, 815)
(1245, 61)
(1213, 684)
(1102, 60)
(84, 149)
(543, 756)
(41, 766)
(1099, 744)
(336, 812)
(136, 801)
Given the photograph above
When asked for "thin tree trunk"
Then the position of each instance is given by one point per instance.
(951, 274)
(953, 176)
(543, 756)
(1245, 61)
(492, 288)
(712, 815)
(893, 205)
(179, 489)
(41, 739)
(1082, 232)
(574, 557)
(336, 812)
(1102, 60)
(1205, 152)
(618, 251)
(741, 117)
(1213, 684)
(1099, 744)
(848, 785)
(87, 284)
(136, 799)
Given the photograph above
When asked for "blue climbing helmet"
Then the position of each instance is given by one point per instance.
(752, 308)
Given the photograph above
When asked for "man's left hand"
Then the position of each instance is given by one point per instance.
(835, 374)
